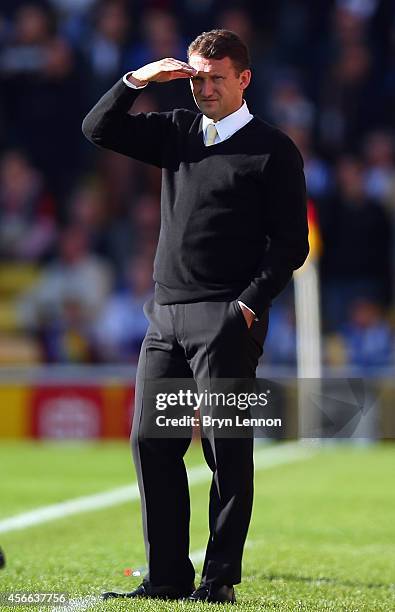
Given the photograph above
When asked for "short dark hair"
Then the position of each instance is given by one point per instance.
(217, 44)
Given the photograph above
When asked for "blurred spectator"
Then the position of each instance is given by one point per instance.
(32, 47)
(121, 328)
(318, 173)
(108, 48)
(357, 242)
(239, 20)
(161, 37)
(136, 232)
(73, 19)
(348, 101)
(89, 211)
(40, 95)
(69, 296)
(27, 211)
(368, 337)
(288, 106)
(380, 167)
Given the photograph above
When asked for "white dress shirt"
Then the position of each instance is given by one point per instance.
(225, 127)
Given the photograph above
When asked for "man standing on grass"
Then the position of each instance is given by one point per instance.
(233, 229)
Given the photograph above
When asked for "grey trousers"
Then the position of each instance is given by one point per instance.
(202, 340)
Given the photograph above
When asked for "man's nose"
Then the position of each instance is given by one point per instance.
(207, 89)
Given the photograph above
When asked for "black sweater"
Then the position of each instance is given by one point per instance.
(233, 215)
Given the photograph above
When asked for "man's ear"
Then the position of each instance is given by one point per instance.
(245, 78)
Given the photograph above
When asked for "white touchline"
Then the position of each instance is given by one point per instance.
(264, 459)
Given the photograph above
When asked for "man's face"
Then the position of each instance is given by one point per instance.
(217, 88)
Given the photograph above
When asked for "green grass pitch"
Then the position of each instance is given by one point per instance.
(322, 536)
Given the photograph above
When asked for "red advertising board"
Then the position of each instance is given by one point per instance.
(67, 412)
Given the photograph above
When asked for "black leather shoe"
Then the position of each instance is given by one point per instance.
(214, 593)
(147, 590)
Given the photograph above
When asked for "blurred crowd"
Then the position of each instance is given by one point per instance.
(78, 226)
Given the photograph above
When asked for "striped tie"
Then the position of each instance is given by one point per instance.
(211, 134)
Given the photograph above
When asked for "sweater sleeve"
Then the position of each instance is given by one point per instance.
(141, 136)
(287, 227)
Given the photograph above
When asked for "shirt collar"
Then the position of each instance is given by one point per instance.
(230, 124)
